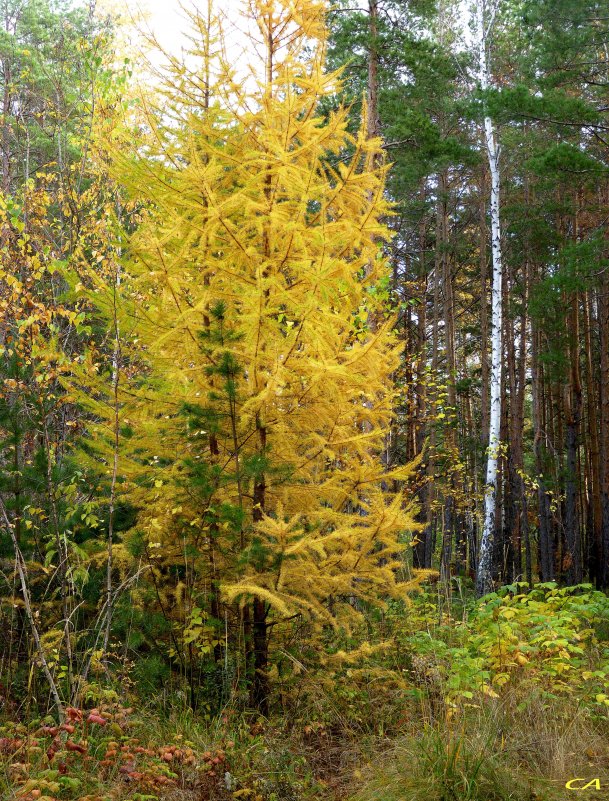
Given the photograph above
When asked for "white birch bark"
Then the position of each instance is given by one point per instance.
(485, 561)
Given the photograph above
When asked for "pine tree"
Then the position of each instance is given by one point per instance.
(259, 425)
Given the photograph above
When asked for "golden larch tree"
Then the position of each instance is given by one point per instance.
(257, 430)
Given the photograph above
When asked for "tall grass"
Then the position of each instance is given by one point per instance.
(500, 751)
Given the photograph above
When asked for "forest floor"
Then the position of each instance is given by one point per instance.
(496, 701)
(486, 756)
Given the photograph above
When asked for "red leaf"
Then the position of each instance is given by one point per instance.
(51, 730)
(9, 745)
(97, 719)
(72, 746)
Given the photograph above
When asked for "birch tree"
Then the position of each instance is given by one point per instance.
(484, 21)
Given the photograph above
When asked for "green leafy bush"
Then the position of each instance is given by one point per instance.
(547, 639)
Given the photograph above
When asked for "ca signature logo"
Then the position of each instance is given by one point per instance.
(583, 784)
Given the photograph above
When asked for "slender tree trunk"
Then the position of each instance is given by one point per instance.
(5, 134)
(573, 403)
(484, 577)
(214, 449)
(63, 555)
(25, 591)
(603, 312)
(484, 365)
(444, 269)
(116, 374)
(546, 549)
(260, 691)
(514, 424)
(373, 121)
(524, 510)
(593, 426)
(421, 549)
(502, 548)
(430, 532)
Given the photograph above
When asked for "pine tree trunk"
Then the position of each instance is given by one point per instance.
(546, 550)
(444, 269)
(422, 549)
(573, 405)
(603, 310)
(522, 489)
(593, 449)
(430, 531)
(514, 456)
(373, 122)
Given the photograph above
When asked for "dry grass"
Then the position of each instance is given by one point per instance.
(505, 750)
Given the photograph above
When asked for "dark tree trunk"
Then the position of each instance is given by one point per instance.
(546, 550)
(603, 306)
(260, 689)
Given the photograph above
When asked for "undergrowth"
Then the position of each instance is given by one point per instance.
(498, 700)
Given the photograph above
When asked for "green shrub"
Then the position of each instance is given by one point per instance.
(549, 640)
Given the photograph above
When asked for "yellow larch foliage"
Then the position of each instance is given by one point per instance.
(257, 429)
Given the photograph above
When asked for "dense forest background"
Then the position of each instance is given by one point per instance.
(304, 403)
(547, 99)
